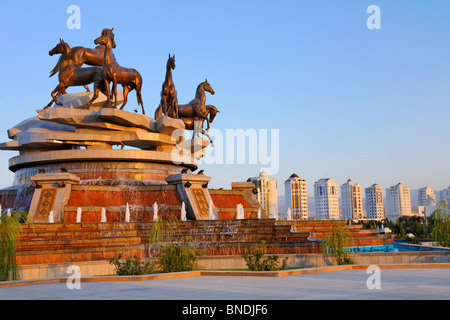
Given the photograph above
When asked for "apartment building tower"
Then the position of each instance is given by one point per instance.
(296, 197)
(374, 202)
(426, 196)
(351, 200)
(398, 199)
(326, 199)
(267, 193)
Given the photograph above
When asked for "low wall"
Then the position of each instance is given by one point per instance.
(102, 267)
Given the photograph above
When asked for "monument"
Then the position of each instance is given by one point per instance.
(85, 141)
(93, 177)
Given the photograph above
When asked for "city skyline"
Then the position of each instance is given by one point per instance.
(376, 200)
(349, 102)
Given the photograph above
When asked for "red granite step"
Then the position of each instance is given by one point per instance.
(48, 243)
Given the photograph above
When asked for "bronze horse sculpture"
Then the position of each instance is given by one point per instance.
(71, 74)
(196, 124)
(195, 112)
(197, 108)
(92, 57)
(169, 101)
(194, 109)
(113, 72)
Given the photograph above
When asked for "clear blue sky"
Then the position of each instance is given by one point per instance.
(372, 105)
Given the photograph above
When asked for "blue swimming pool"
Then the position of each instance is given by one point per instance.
(377, 248)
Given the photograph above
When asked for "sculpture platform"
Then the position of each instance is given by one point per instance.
(99, 146)
(87, 142)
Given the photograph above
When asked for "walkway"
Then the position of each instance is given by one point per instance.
(416, 283)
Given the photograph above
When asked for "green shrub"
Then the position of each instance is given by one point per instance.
(256, 260)
(177, 257)
(131, 266)
(412, 240)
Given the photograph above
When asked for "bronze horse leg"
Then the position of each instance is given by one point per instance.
(96, 90)
(107, 103)
(126, 89)
(60, 88)
(163, 104)
(174, 107)
(204, 116)
(114, 91)
(210, 140)
(139, 96)
(198, 128)
(158, 113)
(99, 85)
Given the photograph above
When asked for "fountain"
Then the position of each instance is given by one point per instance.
(155, 211)
(103, 216)
(211, 215)
(50, 218)
(239, 211)
(183, 212)
(127, 213)
(79, 212)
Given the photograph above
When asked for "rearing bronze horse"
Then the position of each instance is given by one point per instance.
(169, 101)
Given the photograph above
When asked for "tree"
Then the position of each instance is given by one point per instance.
(337, 242)
(441, 224)
(172, 256)
(398, 230)
(10, 229)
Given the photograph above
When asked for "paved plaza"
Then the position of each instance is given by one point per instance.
(404, 284)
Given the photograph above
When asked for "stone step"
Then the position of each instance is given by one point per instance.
(139, 225)
(272, 247)
(223, 229)
(61, 242)
(228, 237)
(37, 244)
(71, 234)
(74, 254)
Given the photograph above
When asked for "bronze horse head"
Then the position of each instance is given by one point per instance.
(171, 62)
(60, 48)
(110, 34)
(207, 87)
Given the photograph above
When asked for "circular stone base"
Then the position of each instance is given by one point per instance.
(101, 167)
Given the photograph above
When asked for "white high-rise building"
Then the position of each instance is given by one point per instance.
(351, 200)
(398, 200)
(445, 195)
(296, 197)
(426, 197)
(374, 202)
(326, 199)
(267, 193)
